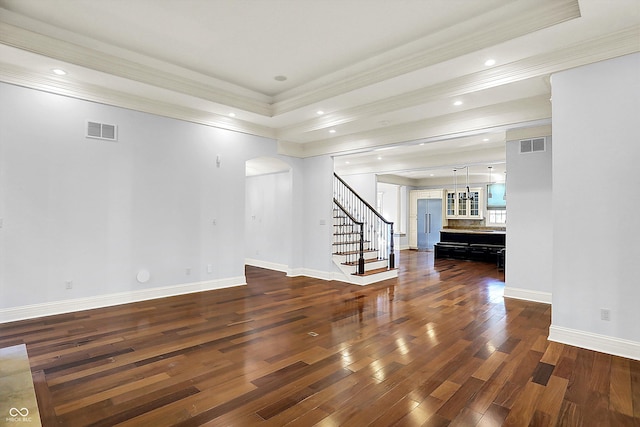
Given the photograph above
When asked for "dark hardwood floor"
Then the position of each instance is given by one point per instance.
(438, 346)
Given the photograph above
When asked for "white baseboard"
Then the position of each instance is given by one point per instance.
(596, 342)
(78, 304)
(266, 264)
(527, 294)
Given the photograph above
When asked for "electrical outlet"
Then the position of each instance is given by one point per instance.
(605, 314)
(68, 284)
(187, 271)
(209, 268)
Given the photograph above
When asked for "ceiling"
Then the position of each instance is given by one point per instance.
(407, 74)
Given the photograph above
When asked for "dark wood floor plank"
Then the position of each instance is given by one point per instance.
(620, 394)
(437, 346)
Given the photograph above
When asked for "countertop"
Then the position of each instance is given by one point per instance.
(465, 230)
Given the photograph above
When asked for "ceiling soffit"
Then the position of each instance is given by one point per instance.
(79, 89)
(519, 112)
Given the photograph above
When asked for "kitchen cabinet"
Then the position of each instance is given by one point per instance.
(457, 207)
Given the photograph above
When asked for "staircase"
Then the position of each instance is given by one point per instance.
(362, 238)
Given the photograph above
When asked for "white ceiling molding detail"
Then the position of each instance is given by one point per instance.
(617, 44)
(134, 70)
(89, 92)
(475, 34)
(529, 110)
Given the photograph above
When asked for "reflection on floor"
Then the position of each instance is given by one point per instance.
(18, 405)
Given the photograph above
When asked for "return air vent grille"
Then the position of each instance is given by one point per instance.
(532, 145)
(102, 131)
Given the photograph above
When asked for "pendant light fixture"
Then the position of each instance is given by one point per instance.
(504, 197)
(467, 195)
(455, 182)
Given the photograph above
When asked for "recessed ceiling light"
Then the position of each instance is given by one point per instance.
(59, 71)
(232, 114)
(457, 103)
(379, 157)
(280, 78)
(485, 140)
(319, 112)
(347, 162)
(430, 174)
(332, 131)
(490, 62)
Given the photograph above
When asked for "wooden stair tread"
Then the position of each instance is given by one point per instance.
(366, 261)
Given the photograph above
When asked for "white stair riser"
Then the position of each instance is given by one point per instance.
(368, 266)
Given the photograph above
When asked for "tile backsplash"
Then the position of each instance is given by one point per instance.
(471, 224)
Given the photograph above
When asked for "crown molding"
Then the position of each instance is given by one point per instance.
(523, 18)
(89, 92)
(399, 164)
(598, 49)
(504, 114)
(118, 65)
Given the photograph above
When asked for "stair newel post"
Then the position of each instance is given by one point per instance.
(392, 255)
(361, 259)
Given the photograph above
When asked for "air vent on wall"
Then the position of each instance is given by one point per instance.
(532, 145)
(102, 131)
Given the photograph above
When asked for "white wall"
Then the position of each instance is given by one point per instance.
(390, 194)
(363, 184)
(596, 109)
(395, 208)
(318, 217)
(96, 212)
(529, 224)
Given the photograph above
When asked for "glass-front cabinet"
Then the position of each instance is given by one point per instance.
(451, 204)
(461, 205)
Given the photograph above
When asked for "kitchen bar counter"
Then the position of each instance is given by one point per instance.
(478, 245)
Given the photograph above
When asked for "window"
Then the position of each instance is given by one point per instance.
(496, 204)
(497, 216)
(496, 198)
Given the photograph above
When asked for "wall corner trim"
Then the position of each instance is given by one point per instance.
(527, 295)
(596, 342)
(79, 304)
